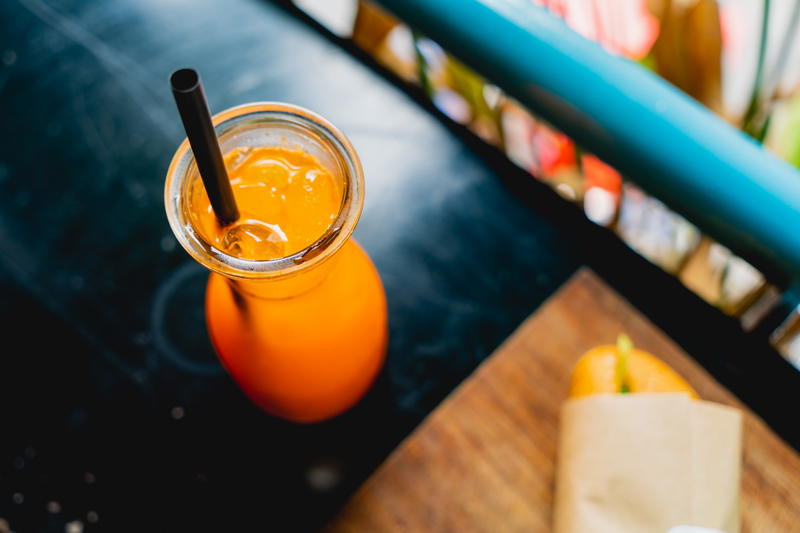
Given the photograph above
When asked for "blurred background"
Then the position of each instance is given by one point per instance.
(739, 59)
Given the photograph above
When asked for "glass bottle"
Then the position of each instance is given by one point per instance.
(303, 336)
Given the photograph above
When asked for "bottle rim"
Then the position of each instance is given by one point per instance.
(183, 169)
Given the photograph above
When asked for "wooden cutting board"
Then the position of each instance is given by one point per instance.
(484, 459)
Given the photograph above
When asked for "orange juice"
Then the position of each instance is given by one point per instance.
(286, 201)
(301, 358)
(295, 308)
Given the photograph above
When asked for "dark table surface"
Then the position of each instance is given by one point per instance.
(113, 409)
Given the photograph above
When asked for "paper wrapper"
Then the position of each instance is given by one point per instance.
(644, 463)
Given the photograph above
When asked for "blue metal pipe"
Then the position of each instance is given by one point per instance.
(658, 137)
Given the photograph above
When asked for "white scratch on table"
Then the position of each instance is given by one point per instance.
(130, 76)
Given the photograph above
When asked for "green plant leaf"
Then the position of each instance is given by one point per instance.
(624, 349)
(471, 87)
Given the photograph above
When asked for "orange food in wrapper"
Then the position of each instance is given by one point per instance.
(639, 452)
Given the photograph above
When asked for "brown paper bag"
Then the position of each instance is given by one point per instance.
(644, 463)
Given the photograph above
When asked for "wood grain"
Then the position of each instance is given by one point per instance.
(484, 459)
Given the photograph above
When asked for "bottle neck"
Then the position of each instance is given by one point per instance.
(283, 287)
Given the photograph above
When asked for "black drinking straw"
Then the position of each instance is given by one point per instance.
(191, 101)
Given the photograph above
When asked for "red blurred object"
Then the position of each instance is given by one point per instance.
(553, 149)
(598, 174)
